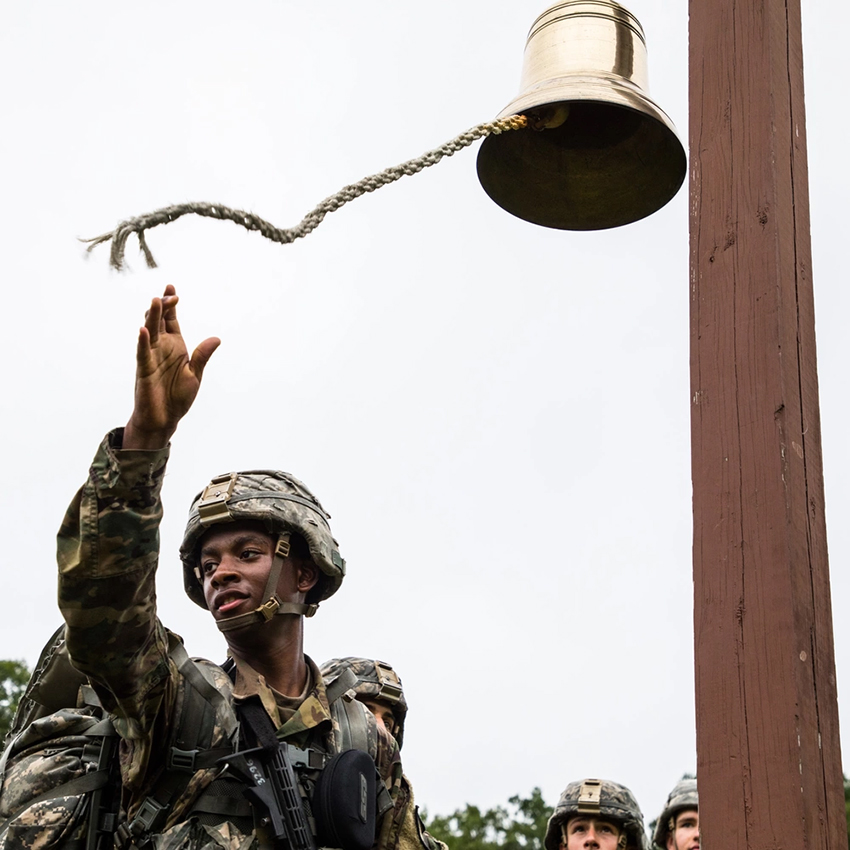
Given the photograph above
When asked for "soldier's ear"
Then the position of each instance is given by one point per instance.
(308, 576)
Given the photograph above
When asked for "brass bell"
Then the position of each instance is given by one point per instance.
(598, 152)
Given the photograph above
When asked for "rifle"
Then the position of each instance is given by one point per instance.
(270, 778)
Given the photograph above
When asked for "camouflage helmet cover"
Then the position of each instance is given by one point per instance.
(278, 500)
(683, 796)
(375, 680)
(603, 799)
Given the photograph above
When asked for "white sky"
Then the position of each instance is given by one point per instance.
(496, 414)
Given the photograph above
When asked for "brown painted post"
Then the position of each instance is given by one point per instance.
(769, 762)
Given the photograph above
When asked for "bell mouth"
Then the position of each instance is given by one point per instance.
(608, 164)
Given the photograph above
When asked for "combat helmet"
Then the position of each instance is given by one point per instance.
(683, 796)
(284, 506)
(603, 799)
(371, 680)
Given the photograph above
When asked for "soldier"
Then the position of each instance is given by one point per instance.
(259, 555)
(595, 814)
(677, 827)
(379, 688)
(376, 685)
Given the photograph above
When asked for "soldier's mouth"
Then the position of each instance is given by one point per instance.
(228, 602)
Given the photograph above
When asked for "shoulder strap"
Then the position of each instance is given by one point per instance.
(201, 707)
(194, 675)
(344, 682)
(256, 718)
(354, 727)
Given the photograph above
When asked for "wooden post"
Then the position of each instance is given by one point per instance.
(769, 761)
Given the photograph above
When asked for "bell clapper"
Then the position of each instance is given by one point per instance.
(549, 117)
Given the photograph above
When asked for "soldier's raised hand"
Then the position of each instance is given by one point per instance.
(167, 379)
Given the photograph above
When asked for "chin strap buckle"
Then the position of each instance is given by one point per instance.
(268, 609)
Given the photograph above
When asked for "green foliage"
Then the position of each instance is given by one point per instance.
(847, 805)
(520, 826)
(14, 676)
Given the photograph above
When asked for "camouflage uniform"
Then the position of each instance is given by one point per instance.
(108, 548)
(378, 682)
(602, 799)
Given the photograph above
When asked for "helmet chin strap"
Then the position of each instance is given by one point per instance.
(272, 604)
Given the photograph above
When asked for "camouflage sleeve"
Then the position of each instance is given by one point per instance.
(403, 828)
(388, 761)
(108, 547)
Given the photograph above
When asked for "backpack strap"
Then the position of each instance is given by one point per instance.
(202, 706)
(193, 674)
(105, 803)
(344, 682)
(355, 728)
(79, 785)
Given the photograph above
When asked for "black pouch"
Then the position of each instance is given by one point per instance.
(344, 802)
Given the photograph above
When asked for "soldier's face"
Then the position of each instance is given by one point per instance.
(383, 715)
(589, 833)
(685, 834)
(235, 560)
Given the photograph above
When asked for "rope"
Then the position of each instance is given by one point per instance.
(312, 220)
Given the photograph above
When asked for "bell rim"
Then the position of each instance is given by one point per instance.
(563, 219)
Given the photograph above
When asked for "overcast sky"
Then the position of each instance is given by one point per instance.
(495, 414)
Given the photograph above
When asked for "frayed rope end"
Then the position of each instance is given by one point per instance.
(119, 238)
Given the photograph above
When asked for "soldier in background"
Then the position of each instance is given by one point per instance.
(678, 825)
(595, 814)
(376, 685)
(379, 688)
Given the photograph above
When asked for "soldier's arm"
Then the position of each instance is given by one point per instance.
(107, 552)
(108, 545)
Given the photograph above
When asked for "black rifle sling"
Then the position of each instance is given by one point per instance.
(256, 718)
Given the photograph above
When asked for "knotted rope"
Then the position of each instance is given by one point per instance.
(312, 220)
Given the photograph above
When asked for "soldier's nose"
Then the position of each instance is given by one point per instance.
(222, 575)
